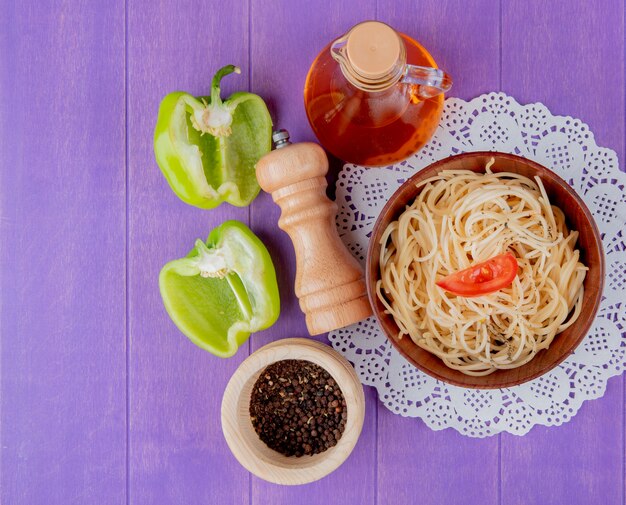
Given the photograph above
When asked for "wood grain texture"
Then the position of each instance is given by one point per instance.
(63, 228)
(177, 451)
(281, 58)
(588, 243)
(62, 255)
(329, 281)
(281, 61)
(242, 438)
(416, 465)
(572, 43)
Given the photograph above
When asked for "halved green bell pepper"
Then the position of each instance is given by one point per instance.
(223, 290)
(207, 149)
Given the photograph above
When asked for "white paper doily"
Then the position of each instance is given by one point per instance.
(496, 122)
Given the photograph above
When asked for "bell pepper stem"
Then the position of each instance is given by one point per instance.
(215, 117)
(217, 79)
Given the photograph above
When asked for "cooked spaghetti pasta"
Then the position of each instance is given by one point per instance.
(458, 219)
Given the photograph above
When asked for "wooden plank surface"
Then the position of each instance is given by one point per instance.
(416, 464)
(62, 261)
(177, 451)
(291, 48)
(103, 400)
(574, 64)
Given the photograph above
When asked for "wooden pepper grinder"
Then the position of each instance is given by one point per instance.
(329, 280)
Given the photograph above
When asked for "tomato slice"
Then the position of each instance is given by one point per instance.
(483, 278)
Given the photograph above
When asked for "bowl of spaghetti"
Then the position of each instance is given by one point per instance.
(485, 270)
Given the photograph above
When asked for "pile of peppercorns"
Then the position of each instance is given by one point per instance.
(297, 408)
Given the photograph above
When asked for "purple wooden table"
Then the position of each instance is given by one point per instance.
(103, 400)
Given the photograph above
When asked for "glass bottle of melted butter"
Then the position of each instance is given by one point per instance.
(366, 104)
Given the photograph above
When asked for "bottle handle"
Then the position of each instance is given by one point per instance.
(338, 50)
(429, 81)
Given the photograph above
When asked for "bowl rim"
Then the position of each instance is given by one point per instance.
(435, 168)
(278, 470)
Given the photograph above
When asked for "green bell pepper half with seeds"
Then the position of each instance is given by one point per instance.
(207, 148)
(223, 290)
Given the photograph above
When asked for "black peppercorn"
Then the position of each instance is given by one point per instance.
(296, 408)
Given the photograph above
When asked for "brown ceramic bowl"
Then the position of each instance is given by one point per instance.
(578, 218)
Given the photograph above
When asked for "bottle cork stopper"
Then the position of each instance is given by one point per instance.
(373, 48)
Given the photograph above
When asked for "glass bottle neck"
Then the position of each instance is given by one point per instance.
(368, 83)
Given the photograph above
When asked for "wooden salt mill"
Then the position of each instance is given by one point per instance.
(329, 280)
